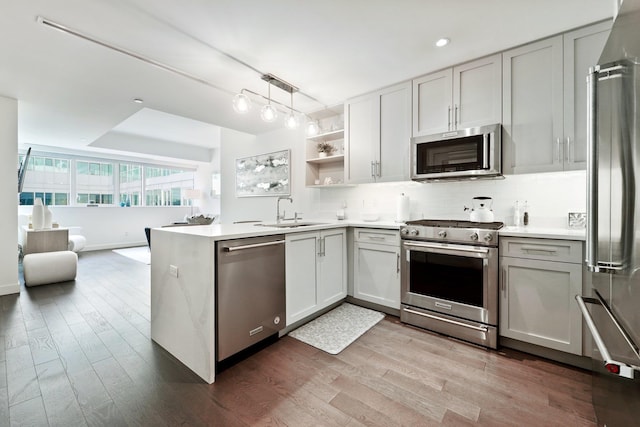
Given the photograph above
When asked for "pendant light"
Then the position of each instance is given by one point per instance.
(268, 113)
(312, 128)
(241, 103)
(291, 121)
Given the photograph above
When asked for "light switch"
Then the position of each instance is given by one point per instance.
(173, 270)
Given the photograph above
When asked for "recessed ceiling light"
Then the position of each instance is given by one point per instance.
(138, 100)
(442, 42)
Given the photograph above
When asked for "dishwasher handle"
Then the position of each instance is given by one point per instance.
(251, 246)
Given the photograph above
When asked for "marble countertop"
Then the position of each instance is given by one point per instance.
(237, 231)
(543, 232)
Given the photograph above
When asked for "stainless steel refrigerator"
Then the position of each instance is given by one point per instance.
(612, 311)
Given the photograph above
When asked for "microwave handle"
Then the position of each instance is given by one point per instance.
(485, 150)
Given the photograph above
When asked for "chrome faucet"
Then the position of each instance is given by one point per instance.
(278, 215)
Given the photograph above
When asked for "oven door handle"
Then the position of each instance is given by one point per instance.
(448, 249)
(430, 316)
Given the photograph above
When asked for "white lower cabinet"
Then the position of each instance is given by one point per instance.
(316, 271)
(538, 284)
(376, 267)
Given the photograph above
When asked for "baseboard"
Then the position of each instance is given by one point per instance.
(11, 288)
(109, 246)
(374, 306)
(548, 353)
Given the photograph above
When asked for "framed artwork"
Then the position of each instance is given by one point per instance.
(264, 175)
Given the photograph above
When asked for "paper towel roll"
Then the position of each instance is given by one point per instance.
(402, 208)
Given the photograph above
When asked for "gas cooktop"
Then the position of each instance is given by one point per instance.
(452, 231)
(448, 223)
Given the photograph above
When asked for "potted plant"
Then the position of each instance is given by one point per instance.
(324, 149)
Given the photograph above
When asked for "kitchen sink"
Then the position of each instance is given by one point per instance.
(290, 224)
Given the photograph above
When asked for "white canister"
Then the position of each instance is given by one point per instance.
(47, 217)
(37, 214)
(402, 208)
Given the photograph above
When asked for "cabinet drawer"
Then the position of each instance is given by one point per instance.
(369, 235)
(542, 249)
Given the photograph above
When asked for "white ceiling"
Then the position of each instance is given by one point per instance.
(73, 92)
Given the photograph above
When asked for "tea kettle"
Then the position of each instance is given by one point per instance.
(481, 210)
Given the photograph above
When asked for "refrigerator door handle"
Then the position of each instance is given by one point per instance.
(592, 170)
(618, 368)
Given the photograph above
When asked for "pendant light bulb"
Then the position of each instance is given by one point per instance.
(268, 113)
(241, 103)
(312, 128)
(291, 121)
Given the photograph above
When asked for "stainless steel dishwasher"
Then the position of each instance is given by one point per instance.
(250, 292)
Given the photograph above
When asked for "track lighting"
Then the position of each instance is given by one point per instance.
(269, 112)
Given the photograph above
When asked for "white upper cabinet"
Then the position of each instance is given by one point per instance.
(377, 136)
(582, 49)
(544, 101)
(467, 95)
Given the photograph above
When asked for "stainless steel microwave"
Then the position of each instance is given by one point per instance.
(463, 154)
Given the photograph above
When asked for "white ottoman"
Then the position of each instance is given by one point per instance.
(77, 242)
(49, 267)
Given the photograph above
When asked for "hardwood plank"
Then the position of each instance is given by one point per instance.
(361, 411)
(28, 413)
(4, 407)
(57, 395)
(22, 381)
(42, 347)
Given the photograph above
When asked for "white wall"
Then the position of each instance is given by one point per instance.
(9, 194)
(550, 195)
(107, 227)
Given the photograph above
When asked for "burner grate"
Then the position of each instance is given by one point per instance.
(446, 223)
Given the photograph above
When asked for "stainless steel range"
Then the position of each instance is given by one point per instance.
(450, 278)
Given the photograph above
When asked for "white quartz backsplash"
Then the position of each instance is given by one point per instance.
(550, 197)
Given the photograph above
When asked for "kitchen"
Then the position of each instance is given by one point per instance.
(428, 200)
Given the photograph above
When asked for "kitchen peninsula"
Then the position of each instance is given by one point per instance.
(183, 284)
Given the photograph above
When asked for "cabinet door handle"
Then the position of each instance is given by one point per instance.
(455, 121)
(397, 263)
(503, 280)
(449, 118)
(558, 149)
(373, 173)
(378, 168)
(568, 149)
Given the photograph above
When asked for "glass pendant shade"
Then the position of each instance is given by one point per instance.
(241, 103)
(291, 121)
(312, 128)
(268, 113)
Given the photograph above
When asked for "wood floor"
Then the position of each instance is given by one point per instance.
(77, 354)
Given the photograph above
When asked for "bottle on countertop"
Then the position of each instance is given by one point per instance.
(526, 213)
(516, 215)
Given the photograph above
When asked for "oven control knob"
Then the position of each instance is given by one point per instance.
(473, 236)
(488, 238)
(442, 234)
(413, 232)
(404, 231)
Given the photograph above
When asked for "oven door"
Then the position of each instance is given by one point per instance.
(457, 280)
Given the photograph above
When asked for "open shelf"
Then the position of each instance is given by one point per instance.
(328, 136)
(328, 159)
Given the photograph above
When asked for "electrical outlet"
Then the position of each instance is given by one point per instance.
(173, 270)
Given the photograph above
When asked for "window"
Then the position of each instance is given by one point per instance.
(130, 184)
(94, 182)
(103, 182)
(47, 178)
(164, 186)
